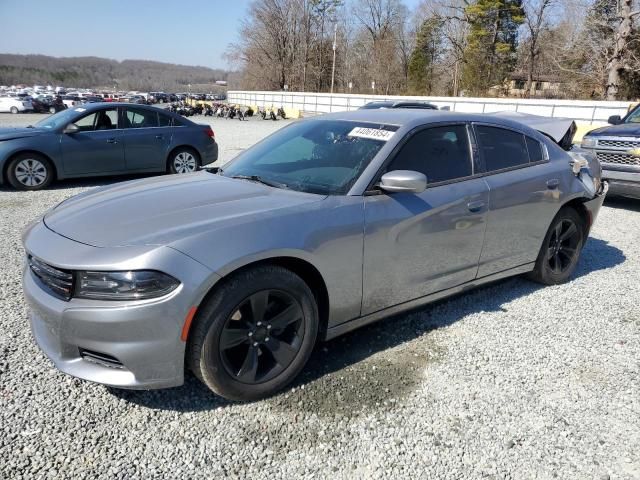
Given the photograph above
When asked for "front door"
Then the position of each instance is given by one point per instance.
(418, 244)
(96, 148)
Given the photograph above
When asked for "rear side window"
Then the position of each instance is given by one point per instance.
(140, 118)
(165, 120)
(501, 148)
(179, 123)
(441, 153)
(535, 150)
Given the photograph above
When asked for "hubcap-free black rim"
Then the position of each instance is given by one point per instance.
(563, 246)
(262, 336)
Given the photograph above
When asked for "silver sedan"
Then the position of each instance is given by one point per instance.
(325, 226)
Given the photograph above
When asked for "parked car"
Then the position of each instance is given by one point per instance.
(15, 105)
(103, 139)
(618, 149)
(327, 225)
(71, 100)
(395, 104)
(159, 97)
(138, 99)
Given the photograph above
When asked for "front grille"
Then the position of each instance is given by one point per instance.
(100, 358)
(619, 143)
(59, 282)
(617, 158)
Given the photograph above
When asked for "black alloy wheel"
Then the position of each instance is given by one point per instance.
(562, 248)
(262, 337)
(254, 333)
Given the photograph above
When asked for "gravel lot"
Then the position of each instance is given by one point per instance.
(512, 381)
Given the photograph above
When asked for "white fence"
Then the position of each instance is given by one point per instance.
(591, 112)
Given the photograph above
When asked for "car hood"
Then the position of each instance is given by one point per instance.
(161, 210)
(12, 133)
(622, 130)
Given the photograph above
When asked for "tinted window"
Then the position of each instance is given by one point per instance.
(502, 148)
(165, 120)
(441, 153)
(535, 150)
(140, 118)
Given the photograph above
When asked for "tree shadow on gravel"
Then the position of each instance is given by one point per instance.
(345, 376)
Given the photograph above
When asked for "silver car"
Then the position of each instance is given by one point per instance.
(325, 226)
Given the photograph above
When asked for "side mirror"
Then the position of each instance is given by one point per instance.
(71, 128)
(406, 181)
(615, 120)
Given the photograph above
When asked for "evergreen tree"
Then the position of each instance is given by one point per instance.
(490, 54)
(424, 57)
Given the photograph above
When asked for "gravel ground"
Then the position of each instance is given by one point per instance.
(512, 381)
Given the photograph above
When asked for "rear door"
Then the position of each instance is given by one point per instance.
(96, 148)
(524, 197)
(146, 137)
(418, 244)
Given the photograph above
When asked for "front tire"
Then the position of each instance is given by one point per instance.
(560, 251)
(13, 110)
(29, 171)
(254, 335)
(52, 110)
(184, 160)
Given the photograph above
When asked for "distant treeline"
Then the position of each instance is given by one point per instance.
(86, 72)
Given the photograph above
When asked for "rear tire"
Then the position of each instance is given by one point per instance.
(52, 110)
(254, 335)
(29, 171)
(184, 160)
(560, 251)
(13, 110)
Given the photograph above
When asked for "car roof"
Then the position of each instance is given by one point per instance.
(416, 117)
(88, 107)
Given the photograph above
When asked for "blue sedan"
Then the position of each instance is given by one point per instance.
(103, 139)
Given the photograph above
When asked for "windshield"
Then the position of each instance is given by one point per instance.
(634, 117)
(59, 119)
(316, 156)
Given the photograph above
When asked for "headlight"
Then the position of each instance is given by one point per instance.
(131, 285)
(589, 142)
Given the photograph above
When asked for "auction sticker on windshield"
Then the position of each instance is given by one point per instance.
(372, 133)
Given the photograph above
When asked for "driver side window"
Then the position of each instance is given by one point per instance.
(100, 120)
(441, 153)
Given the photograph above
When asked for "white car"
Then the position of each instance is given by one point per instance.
(14, 105)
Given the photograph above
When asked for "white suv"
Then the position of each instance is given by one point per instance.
(14, 105)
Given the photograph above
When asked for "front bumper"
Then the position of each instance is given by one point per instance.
(624, 182)
(143, 337)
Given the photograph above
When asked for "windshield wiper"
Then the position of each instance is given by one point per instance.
(256, 178)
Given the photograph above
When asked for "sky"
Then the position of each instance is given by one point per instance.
(188, 32)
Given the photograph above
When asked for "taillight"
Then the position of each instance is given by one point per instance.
(209, 132)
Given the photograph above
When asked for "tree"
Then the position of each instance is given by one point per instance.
(424, 57)
(491, 43)
(536, 22)
(622, 59)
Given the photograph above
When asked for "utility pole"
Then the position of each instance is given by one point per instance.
(333, 69)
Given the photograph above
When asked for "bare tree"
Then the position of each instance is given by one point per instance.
(621, 58)
(536, 21)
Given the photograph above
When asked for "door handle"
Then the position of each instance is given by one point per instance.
(475, 207)
(159, 137)
(112, 140)
(553, 184)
